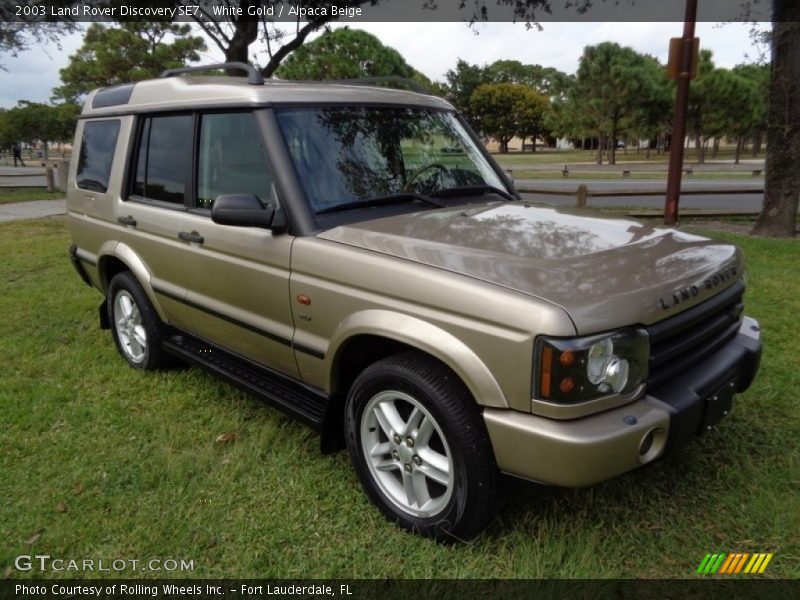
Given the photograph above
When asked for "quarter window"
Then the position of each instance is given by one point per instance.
(231, 159)
(96, 154)
(163, 158)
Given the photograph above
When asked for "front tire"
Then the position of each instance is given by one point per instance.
(137, 330)
(418, 443)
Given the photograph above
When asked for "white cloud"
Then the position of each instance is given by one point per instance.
(33, 74)
(433, 48)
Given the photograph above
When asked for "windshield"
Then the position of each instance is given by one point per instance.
(346, 155)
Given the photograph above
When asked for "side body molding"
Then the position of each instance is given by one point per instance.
(426, 337)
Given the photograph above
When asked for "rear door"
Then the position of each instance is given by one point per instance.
(153, 215)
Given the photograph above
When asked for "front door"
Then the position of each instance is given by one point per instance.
(237, 281)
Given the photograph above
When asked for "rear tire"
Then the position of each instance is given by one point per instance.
(135, 326)
(419, 446)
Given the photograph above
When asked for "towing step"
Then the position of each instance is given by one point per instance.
(292, 397)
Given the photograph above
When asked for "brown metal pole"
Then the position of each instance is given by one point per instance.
(679, 125)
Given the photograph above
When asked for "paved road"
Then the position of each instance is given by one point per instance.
(745, 166)
(730, 202)
(32, 210)
(626, 185)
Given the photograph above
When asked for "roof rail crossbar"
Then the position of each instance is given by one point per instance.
(410, 83)
(253, 76)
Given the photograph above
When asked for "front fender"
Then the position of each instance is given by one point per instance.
(424, 336)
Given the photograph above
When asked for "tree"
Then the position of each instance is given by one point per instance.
(33, 122)
(732, 109)
(758, 75)
(652, 117)
(8, 132)
(466, 78)
(344, 54)
(701, 104)
(18, 34)
(131, 52)
(461, 83)
(611, 83)
(547, 80)
(505, 110)
(782, 191)
(234, 34)
(530, 109)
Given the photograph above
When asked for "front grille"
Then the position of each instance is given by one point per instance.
(684, 340)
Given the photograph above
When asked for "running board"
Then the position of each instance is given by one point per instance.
(290, 396)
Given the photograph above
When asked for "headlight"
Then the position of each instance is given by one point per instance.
(575, 370)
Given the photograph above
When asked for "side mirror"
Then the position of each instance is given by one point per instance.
(242, 210)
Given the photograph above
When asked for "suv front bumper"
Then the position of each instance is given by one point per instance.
(591, 449)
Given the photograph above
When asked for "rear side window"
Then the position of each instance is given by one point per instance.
(163, 158)
(96, 155)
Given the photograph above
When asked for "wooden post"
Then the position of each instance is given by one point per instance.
(684, 73)
(51, 184)
(63, 166)
(582, 195)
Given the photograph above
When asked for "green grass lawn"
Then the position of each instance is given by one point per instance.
(101, 461)
(26, 194)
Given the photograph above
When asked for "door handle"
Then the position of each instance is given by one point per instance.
(129, 220)
(192, 236)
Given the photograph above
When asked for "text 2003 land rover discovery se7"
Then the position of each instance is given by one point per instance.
(355, 256)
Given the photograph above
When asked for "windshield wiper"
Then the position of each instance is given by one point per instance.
(398, 198)
(473, 190)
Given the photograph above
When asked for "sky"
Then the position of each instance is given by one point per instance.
(433, 48)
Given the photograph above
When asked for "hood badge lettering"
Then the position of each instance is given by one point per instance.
(692, 291)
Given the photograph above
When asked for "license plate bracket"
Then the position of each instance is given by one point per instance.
(717, 405)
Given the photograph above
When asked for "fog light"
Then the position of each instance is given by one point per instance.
(652, 444)
(647, 443)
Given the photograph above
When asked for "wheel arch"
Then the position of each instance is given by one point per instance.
(116, 257)
(371, 335)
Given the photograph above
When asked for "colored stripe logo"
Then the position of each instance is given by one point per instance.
(733, 563)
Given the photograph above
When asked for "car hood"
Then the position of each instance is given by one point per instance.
(605, 272)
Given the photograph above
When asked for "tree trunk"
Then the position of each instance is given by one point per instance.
(739, 144)
(612, 150)
(782, 183)
(600, 142)
(715, 147)
(245, 33)
(699, 146)
(758, 138)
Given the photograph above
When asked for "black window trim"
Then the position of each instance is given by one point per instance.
(190, 187)
(133, 160)
(206, 212)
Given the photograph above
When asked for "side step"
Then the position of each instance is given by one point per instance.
(292, 397)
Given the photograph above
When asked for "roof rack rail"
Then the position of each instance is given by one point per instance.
(415, 86)
(253, 76)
